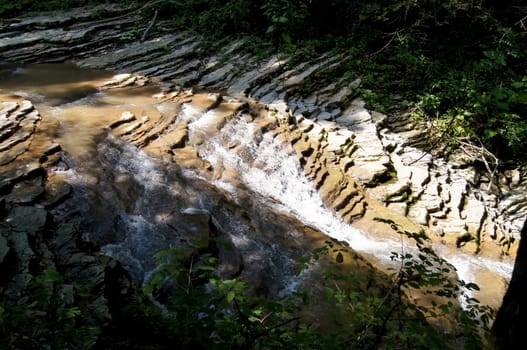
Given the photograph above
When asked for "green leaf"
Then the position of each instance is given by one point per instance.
(287, 39)
(230, 296)
(72, 312)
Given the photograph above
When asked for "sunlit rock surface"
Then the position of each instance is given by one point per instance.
(257, 123)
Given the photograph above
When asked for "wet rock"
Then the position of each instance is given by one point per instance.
(8, 107)
(26, 191)
(63, 242)
(55, 191)
(458, 191)
(178, 138)
(351, 118)
(303, 147)
(17, 285)
(433, 204)
(370, 173)
(512, 210)
(222, 74)
(23, 169)
(126, 117)
(85, 271)
(397, 192)
(13, 152)
(368, 164)
(337, 141)
(453, 228)
(124, 80)
(331, 185)
(230, 260)
(27, 219)
(194, 227)
(399, 208)
(19, 243)
(25, 107)
(22, 132)
(299, 78)
(131, 128)
(240, 86)
(5, 124)
(188, 157)
(52, 149)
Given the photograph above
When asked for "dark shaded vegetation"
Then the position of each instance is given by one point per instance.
(9, 8)
(456, 66)
(204, 311)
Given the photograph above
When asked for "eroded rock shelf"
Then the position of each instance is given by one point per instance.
(330, 129)
(362, 163)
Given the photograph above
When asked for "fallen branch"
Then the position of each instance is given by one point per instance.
(150, 26)
(394, 35)
(482, 153)
(521, 23)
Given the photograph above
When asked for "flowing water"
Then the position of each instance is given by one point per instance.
(133, 204)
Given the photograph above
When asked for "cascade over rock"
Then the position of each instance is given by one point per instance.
(342, 145)
(362, 163)
(332, 131)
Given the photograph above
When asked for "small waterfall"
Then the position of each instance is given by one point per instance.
(272, 171)
(132, 196)
(268, 168)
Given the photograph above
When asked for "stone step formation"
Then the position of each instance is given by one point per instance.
(363, 163)
(339, 142)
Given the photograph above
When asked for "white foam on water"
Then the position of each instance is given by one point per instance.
(274, 173)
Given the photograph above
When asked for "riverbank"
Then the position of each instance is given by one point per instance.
(362, 164)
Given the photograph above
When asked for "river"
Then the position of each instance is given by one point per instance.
(128, 200)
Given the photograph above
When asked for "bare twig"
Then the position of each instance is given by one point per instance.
(394, 35)
(150, 26)
(521, 23)
(189, 276)
(482, 153)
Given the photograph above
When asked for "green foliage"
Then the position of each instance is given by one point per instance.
(131, 35)
(205, 311)
(286, 17)
(41, 316)
(385, 318)
(215, 18)
(459, 67)
(433, 275)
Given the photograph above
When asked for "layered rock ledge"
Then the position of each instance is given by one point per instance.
(355, 156)
(364, 164)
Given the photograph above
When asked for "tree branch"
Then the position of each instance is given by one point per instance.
(150, 26)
